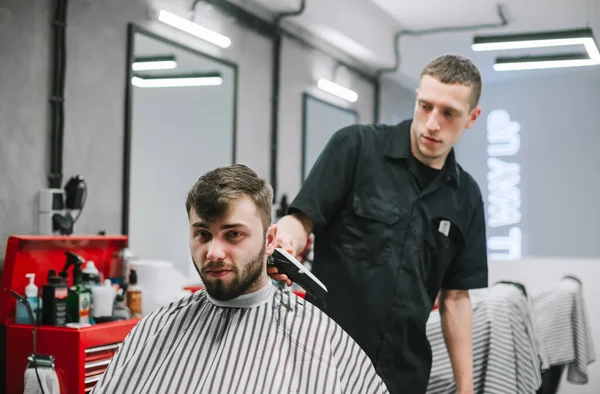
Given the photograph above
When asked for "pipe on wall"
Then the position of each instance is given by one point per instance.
(276, 79)
(59, 61)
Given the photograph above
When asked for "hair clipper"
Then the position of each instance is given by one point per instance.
(288, 265)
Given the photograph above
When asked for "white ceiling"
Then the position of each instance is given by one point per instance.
(365, 28)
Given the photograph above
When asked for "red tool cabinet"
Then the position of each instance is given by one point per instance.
(81, 354)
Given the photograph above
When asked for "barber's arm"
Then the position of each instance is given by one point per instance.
(457, 326)
(469, 270)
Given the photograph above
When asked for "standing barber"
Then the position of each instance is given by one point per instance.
(397, 221)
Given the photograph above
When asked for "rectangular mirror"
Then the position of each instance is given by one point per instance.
(180, 123)
(320, 121)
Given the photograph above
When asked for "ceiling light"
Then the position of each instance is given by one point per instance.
(337, 90)
(583, 37)
(154, 63)
(193, 29)
(171, 81)
(544, 62)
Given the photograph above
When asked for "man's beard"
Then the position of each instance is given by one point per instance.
(241, 282)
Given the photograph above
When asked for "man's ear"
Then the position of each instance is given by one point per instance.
(475, 112)
(271, 239)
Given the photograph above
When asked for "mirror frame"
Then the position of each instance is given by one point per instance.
(305, 97)
(132, 29)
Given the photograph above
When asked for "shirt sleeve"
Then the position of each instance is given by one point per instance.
(326, 187)
(469, 269)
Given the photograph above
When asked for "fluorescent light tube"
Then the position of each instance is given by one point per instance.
(583, 37)
(337, 90)
(193, 29)
(172, 81)
(154, 63)
(543, 62)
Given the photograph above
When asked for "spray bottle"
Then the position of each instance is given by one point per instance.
(32, 296)
(80, 297)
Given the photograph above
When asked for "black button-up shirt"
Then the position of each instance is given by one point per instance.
(384, 247)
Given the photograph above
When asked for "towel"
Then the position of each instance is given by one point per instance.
(48, 378)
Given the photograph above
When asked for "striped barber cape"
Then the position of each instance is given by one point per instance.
(270, 341)
(507, 354)
(565, 330)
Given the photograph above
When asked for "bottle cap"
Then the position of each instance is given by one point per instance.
(31, 289)
(132, 277)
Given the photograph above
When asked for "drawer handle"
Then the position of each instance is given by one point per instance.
(93, 379)
(95, 364)
(102, 348)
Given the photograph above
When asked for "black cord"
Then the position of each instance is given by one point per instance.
(37, 374)
(23, 300)
(85, 188)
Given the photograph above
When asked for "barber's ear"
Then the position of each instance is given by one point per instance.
(271, 239)
(475, 112)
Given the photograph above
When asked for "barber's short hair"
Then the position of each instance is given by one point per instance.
(214, 192)
(455, 69)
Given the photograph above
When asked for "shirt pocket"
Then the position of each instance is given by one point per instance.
(442, 243)
(368, 229)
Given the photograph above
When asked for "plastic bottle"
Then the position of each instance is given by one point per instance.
(134, 295)
(54, 296)
(79, 299)
(91, 275)
(120, 310)
(104, 297)
(31, 293)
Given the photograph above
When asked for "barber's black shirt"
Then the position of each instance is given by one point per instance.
(388, 235)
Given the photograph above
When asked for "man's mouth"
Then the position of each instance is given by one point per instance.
(218, 273)
(430, 140)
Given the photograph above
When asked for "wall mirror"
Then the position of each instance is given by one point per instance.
(320, 121)
(180, 123)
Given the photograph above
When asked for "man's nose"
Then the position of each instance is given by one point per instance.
(432, 122)
(216, 251)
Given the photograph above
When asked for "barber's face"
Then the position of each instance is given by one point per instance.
(442, 112)
(230, 254)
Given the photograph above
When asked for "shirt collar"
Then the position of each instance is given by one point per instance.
(251, 300)
(398, 147)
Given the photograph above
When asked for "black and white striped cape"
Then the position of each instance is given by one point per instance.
(507, 354)
(270, 341)
(565, 330)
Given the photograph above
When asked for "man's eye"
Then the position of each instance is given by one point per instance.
(202, 234)
(234, 234)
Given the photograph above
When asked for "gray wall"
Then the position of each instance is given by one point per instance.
(559, 134)
(94, 107)
(397, 101)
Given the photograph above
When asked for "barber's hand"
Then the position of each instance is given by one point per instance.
(283, 241)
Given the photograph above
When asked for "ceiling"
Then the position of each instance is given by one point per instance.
(365, 28)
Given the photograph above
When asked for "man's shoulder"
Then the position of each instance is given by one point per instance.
(174, 306)
(309, 311)
(468, 183)
(364, 132)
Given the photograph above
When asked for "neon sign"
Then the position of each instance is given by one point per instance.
(504, 195)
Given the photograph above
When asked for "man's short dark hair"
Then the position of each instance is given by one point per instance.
(214, 192)
(455, 69)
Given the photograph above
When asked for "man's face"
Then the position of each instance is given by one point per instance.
(442, 112)
(230, 254)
